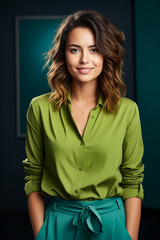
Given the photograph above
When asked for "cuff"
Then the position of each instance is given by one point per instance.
(133, 192)
(32, 186)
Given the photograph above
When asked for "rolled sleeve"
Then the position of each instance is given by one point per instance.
(132, 168)
(33, 164)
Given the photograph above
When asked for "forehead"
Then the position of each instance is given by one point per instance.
(81, 36)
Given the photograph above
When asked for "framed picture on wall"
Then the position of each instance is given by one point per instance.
(33, 38)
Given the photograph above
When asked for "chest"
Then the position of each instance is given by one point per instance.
(102, 135)
(62, 130)
(81, 119)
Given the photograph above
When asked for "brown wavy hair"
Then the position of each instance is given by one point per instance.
(109, 41)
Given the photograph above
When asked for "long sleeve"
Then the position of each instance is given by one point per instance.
(133, 149)
(33, 164)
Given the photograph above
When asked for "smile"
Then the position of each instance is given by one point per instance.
(84, 70)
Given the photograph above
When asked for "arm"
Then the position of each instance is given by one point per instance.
(34, 146)
(132, 173)
(36, 211)
(33, 166)
(133, 215)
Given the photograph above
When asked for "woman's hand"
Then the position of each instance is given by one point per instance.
(133, 216)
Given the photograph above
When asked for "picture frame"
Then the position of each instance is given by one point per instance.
(33, 38)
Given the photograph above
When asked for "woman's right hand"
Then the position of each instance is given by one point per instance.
(36, 211)
(36, 231)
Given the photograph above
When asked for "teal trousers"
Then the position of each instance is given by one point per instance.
(84, 220)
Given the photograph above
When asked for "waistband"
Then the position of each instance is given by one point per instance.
(73, 206)
(86, 214)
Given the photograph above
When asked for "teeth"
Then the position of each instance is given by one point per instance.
(84, 70)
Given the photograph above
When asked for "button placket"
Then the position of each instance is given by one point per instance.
(91, 122)
(80, 168)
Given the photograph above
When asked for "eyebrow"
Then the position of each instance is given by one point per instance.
(75, 45)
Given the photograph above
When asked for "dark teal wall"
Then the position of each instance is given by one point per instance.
(147, 40)
(34, 36)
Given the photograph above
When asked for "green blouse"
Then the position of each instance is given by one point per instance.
(105, 162)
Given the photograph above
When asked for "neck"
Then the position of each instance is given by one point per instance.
(84, 92)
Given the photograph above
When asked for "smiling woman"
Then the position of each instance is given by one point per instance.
(84, 144)
(108, 41)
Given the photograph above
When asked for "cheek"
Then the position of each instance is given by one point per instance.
(98, 61)
(69, 63)
(70, 60)
(100, 66)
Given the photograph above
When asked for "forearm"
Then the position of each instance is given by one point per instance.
(133, 216)
(36, 211)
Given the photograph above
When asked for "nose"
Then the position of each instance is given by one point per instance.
(84, 57)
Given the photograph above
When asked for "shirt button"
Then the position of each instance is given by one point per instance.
(81, 143)
(76, 191)
(80, 169)
(92, 116)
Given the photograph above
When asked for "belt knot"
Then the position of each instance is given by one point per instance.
(90, 217)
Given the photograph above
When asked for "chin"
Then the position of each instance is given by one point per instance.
(84, 80)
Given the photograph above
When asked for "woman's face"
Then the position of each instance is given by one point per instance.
(83, 60)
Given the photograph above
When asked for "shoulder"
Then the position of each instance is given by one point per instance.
(40, 100)
(38, 104)
(127, 104)
(129, 109)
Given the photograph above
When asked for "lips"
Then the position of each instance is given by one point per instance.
(84, 70)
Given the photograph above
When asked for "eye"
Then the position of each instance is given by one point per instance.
(94, 50)
(74, 50)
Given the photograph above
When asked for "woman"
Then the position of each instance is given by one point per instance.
(84, 144)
